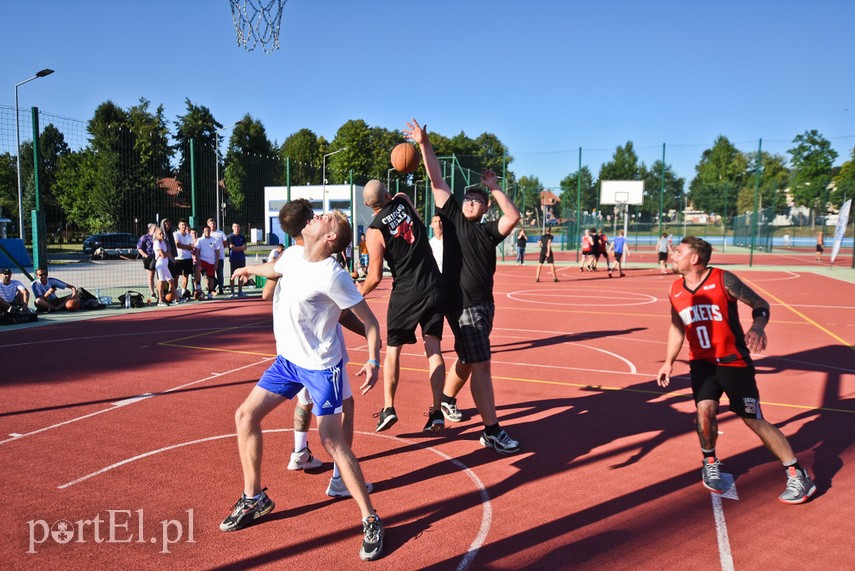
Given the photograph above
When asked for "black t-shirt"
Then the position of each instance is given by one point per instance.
(522, 241)
(469, 261)
(544, 242)
(169, 238)
(408, 253)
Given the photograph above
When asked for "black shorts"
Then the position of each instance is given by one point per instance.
(183, 267)
(550, 259)
(710, 381)
(819, 248)
(235, 264)
(663, 256)
(472, 327)
(405, 314)
(148, 263)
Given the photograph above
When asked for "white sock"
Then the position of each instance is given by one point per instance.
(335, 472)
(301, 440)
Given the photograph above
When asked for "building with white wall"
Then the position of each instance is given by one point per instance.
(338, 197)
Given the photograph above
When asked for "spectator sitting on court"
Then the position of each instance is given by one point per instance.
(12, 292)
(44, 292)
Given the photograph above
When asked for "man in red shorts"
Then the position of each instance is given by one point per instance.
(704, 309)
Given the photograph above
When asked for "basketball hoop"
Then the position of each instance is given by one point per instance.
(257, 22)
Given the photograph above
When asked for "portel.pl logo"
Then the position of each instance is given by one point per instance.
(114, 526)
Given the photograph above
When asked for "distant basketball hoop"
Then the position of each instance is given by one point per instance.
(623, 194)
(257, 22)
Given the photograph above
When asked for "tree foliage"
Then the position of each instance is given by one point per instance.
(671, 196)
(252, 163)
(811, 162)
(774, 178)
(844, 182)
(719, 176)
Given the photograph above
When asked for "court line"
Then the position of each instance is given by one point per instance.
(803, 316)
(110, 336)
(117, 407)
(486, 504)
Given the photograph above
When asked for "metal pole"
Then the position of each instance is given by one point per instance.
(757, 165)
(38, 74)
(217, 176)
(578, 204)
(724, 223)
(324, 176)
(193, 182)
(662, 190)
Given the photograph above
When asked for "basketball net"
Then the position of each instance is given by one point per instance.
(257, 22)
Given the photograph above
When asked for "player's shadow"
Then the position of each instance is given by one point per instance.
(525, 344)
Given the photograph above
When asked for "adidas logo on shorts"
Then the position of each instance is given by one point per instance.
(327, 404)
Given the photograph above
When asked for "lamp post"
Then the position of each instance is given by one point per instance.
(39, 74)
(324, 175)
(219, 205)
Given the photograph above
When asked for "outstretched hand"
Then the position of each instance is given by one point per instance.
(416, 132)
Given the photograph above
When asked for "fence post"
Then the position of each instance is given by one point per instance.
(757, 166)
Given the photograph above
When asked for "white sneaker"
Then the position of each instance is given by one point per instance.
(337, 489)
(303, 460)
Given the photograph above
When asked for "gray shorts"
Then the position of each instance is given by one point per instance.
(472, 327)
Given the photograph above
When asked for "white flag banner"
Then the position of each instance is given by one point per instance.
(842, 221)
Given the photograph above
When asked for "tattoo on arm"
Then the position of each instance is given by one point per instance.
(746, 295)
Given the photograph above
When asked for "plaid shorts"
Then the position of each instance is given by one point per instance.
(471, 328)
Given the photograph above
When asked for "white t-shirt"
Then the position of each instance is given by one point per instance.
(8, 292)
(307, 304)
(274, 253)
(208, 249)
(436, 248)
(222, 238)
(160, 246)
(185, 239)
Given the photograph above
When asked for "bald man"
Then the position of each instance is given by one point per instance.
(398, 236)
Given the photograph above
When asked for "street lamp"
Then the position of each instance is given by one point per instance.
(39, 74)
(219, 205)
(324, 175)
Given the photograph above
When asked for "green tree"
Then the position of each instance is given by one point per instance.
(252, 163)
(52, 146)
(8, 186)
(360, 154)
(844, 182)
(303, 148)
(672, 196)
(811, 164)
(198, 124)
(530, 206)
(720, 173)
(623, 166)
(569, 190)
(774, 179)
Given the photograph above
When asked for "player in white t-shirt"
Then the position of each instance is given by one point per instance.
(208, 251)
(308, 302)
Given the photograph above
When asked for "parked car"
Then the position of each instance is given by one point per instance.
(111, 245)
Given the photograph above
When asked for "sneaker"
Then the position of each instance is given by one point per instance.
(372, 540)
(303, 460)
(387, 418)
(162, 304)
(711, 476)
(232, 295)
(210, 295)
(246, 511)
(337, 489)
(503, 444)
(450, 411)
(241, 294)
(435, 422)
(799, 487)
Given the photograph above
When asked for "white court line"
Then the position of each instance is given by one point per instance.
(486, 505)
(116, 406)
(541, 294)
(724, 553)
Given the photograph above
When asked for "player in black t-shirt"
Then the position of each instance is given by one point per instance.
(468, 266)
(398, 236)
(546, 255)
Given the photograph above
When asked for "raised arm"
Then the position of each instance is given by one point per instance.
(755, 337)
(510, 213)
(441, 192)
(376, 251)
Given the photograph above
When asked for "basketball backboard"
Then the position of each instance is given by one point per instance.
(622, 192)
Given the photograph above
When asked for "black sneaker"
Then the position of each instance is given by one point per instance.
(246, 511)
(435, 422)
(372, 541)
(502, 443)
(387, 418)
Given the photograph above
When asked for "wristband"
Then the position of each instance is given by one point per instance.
(760, 312)
(374, 362)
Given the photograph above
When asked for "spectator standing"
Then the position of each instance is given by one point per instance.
(169, 238)
(145, 247)
(161, 266)
(184, 245)
(363, 253)
(237, 257)
(218, 235)
(436, 244)
(522, 241)
(276, 252)
(208, 250)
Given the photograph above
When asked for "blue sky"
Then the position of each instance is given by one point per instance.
(546, 77)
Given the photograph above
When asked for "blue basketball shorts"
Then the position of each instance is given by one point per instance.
(284, 378)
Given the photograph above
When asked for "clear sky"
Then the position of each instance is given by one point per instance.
(545, 76)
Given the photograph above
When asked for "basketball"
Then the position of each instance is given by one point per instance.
(169, 297)
(72, 305)
(405, 158)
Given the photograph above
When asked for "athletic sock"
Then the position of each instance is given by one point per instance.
(255, 497)
(797, 466)
(708, 453)
(301, 440)
(335, 471)
(447, 399)
(493, 429)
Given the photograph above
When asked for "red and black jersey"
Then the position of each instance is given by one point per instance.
(711, 320)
